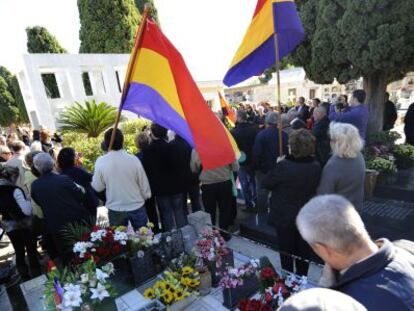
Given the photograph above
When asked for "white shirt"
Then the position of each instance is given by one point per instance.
(125, 181)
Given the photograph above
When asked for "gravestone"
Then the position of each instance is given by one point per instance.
(189, 237)
(199, 220)
(33, 291)
(257, 229)
(388, 218)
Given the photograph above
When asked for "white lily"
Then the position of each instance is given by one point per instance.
(99, 292)
(72, 299)
(101, 276)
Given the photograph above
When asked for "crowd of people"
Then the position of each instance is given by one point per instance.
(312, 191)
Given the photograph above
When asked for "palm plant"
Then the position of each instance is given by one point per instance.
(91, 119)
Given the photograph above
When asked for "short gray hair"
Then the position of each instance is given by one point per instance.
(292, 114)
(345, 140)
(44, 163)
(285, 120)
(333, 221)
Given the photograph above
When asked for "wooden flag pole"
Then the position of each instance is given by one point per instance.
(277, 62)
(138, 39)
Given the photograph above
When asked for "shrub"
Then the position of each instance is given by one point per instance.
(404, 155)
(91, 119)
(385, 138)
(383, 166)
(90, 147)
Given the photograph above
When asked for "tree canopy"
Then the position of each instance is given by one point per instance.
(107, 26)
(40, 40)
(349, 39)
(154, 13)
(12, 108)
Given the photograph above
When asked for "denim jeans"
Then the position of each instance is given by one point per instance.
(172, 211)
(138, 218)
(248, 185)
(263, 194)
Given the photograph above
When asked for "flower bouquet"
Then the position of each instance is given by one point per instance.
(177, 288)
(101, 244)
(212, 248)
(72, 290)
(145, 259)
(238, 283)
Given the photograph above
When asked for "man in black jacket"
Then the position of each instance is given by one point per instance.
(302, 109)
(320, 131)
(244, 134)
(390, 114)
(159, 166)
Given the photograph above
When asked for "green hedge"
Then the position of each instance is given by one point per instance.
(90, 148)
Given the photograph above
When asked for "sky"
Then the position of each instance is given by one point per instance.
(207, 33)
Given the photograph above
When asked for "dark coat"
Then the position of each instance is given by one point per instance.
(158, 165)
(409, 125)
(383, 282)
(60, 200)
(244, 134)
(181, 158)
(298, 124)
(84, 179)
(266, 148)
(323, 148)
(303, 112)
(390, 116)
(293, 183)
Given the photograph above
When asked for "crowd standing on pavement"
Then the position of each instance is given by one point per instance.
(312, 192)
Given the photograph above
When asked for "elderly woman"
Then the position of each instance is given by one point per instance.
(293, 181)
(61, 202)
(15, 211)
(66, 164)
(344, 173)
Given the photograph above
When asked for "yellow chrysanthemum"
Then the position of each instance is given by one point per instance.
(193, 283)
(168, 297)
(150, 225)
(143, 230)
(187, 270)
(149, 293)
(179, 295)
(121, 228)
(159, 285)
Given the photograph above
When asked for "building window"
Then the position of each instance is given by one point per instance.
(118, 80)
(312, 93)
(87, 83)
(292, 95)
(50, 84)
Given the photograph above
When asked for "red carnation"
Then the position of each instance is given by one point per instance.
(268, 298)
(96, 259)
(100, 251)
(266, 308)
(282, 286)
(116, 248)
(243, 305)
(267, 273)
(87, 255)
(254, 305)
(86, 236)
(95, 228)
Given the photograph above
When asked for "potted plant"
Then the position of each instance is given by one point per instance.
(404, 156)
(212, 249)
(239, 283)
(385, 167)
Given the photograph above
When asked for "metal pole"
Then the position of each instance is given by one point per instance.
(277, 62)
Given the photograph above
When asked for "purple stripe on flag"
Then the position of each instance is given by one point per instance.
(253, 65)
(287, 26)
(148, 103)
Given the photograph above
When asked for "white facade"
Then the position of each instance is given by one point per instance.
(106, 74)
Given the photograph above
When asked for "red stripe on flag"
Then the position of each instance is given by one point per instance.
(259, 6)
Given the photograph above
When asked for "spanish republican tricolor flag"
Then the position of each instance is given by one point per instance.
(162, 90)
(257, 51)
(228, 112)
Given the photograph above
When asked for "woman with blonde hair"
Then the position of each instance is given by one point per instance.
(344, 174)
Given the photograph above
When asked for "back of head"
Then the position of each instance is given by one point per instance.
(66, 158)
(345, 140)
(319, 113)
(359, 95)
(301, 143)
(321, 299)
(43, 163)
(29, 157)
(17, 146)
(9, 173)
(118, 141)
(272, 118)
(292, 114)
(45, 135)
(36, 135)
(285, 120)
(142, 140)
(333, 221)
(241, 116)
(158, 131)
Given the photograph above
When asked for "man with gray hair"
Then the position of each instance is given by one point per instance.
(61, 202)
(377, 274)
(265, 154)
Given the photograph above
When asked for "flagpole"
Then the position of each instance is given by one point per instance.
(277, 62)
(138, 39)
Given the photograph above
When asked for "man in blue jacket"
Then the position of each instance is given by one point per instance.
(378, 274)
(356, 114)
(265, 154)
